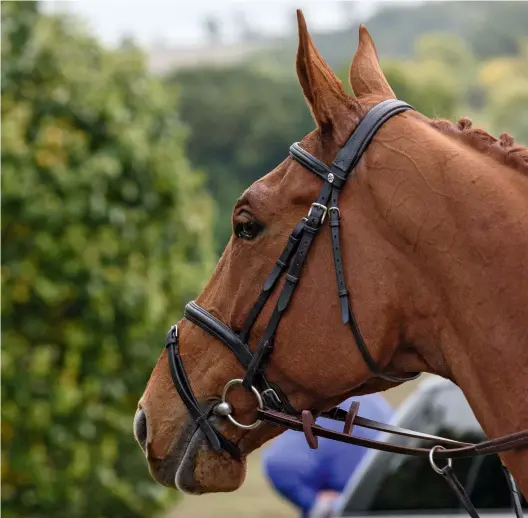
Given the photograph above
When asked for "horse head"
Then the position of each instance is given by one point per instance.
(387, 289)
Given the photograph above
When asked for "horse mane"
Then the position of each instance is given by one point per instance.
(502, 149)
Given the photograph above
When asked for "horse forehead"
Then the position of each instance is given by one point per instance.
(289, 184)
(270, 191)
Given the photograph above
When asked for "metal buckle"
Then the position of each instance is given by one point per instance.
(330, 209)
(324, 207)
(172, 336)
(273, 395)
(224, 410)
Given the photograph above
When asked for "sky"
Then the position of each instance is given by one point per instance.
(180, 22)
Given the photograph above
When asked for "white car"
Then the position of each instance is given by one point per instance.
(390, 485)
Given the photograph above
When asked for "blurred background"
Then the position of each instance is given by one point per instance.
(128, 131)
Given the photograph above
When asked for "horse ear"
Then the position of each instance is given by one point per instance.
(323, 91)
(365, 75)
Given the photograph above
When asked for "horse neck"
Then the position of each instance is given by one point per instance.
(461, 219)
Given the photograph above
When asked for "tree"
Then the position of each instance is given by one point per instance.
(506, 84)
(447, 49)
(435, 90)
(500, 32)
(105, 231)
(242, 125)
(213, 30)
(509, 110)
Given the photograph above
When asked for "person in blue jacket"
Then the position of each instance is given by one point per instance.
(312, 479)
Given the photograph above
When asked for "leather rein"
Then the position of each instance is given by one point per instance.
(272, 405)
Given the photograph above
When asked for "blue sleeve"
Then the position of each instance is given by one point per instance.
(299, 473)
(291, 469)
(337, 460)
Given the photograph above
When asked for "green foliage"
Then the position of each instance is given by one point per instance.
(104, 234)
(427, 86)
(509, 110)
(501, 29)
(242, 124)
(505, 80)
(446, 49)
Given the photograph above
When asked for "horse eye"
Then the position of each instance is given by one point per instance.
(247, 229)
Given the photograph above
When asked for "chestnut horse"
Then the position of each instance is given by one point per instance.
(435, 249)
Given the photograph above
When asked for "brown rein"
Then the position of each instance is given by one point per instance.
(450, 448)
(443, 448)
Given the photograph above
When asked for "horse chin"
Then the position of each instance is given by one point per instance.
(203, 470)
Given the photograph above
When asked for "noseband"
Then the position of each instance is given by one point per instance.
(272, 404)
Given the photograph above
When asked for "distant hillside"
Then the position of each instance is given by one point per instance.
(488, 27)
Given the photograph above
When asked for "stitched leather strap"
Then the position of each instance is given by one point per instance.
(515, 493)
(350, 154)
(338, 414)
(265, 348)
(316, 166)
(281, 264)
(183, 387)
(219, 330)
(458, 489)
(202, 318)
(508, 442)
(334, 217)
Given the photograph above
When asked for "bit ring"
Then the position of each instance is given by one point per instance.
(256, 393)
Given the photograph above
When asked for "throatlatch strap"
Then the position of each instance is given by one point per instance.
(334, 217)
(343, 164)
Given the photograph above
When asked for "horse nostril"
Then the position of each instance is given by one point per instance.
(140, 428)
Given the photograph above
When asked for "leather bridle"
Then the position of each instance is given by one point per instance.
(273, 405)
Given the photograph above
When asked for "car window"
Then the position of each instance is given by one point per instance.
(487, 485)
(402, 483)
